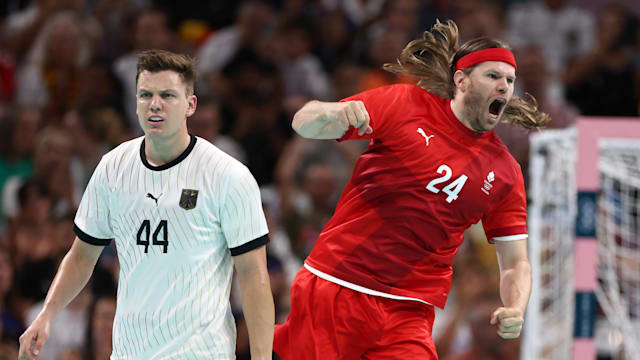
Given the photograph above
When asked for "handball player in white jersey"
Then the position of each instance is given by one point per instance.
(182, 214)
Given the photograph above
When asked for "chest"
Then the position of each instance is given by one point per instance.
(443, 170)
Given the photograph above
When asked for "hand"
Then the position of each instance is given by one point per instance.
(353, 113)
(33, 339)
(509, 322)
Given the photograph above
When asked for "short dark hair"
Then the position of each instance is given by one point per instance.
(160, 60)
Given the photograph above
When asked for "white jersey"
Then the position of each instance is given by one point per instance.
(176, 227)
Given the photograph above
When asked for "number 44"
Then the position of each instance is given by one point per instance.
(453, 188)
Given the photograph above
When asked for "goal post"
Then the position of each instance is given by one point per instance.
(618, 234)
(563, 192)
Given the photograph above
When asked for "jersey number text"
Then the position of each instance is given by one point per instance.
(453, 188)
(160, 236)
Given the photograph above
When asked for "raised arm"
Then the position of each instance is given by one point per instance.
(515, 287)
(330, 120)
(257, 301)
(73, 274)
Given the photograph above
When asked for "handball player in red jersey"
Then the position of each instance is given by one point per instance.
(433, 168)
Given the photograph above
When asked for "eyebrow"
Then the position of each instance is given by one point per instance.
(500, 73)
(159, 91)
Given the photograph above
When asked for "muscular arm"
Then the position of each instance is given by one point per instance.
(330, 120)
(257, 301)
(515, 287)
(73, 274)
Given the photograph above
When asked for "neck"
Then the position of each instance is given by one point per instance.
(160, 151)
(457, 107)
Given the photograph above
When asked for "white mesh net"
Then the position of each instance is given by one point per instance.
(548, 332)
(618, 233)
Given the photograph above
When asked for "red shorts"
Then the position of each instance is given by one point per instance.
(329, 321)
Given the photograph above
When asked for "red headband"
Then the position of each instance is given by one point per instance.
(492, 54)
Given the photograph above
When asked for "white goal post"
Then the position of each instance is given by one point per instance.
(564, 188)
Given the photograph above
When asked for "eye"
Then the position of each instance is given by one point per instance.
(167, 95)
(493, 76)
(511, 80)
(144, 95)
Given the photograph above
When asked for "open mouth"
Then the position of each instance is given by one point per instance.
(496, 106)
(155, 119)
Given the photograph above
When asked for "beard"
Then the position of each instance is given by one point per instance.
(473, 109)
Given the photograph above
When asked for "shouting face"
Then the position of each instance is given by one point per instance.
(485, 92)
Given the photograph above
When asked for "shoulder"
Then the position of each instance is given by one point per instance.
(396, 94)
(217, 162)
(111, 163)
(505, 159)
(128, 147)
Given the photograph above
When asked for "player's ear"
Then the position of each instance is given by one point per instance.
(192, 103)
(461, 80)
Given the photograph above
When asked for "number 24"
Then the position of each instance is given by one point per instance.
(453, 188)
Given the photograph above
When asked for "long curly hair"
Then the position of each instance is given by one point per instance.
(432, 60)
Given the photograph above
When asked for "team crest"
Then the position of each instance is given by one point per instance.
(188, 199)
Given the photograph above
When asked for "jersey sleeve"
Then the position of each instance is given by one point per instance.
(92, 223)
(241, 216)
(380, 103)
(507, 219)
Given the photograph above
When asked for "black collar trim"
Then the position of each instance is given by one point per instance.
(171, 163)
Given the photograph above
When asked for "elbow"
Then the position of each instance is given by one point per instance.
(305, 120)
(296, 123)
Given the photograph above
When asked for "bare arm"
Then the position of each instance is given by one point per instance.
(515, 287)
(330, 120)
(257, 301)
(73, 274)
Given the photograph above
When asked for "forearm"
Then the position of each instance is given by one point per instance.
(319, 120)
(258, 308)
(72, 276)
(515, 285)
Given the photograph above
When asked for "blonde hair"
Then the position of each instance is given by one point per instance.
(432, 60)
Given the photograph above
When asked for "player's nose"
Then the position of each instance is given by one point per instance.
(156, 104)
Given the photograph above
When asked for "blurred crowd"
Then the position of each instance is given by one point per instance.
(67, 96)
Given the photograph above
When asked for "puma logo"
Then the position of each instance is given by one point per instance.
(426, 137)
(150, 196)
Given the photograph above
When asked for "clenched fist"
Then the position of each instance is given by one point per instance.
(353, 113)
(509, 321)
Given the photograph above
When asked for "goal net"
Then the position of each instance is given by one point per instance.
(618, 236)
(551, 212)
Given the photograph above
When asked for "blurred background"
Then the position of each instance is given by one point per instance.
(67, 96)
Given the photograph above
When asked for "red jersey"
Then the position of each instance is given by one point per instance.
(424, 179)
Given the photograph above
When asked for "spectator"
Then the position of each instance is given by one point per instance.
(478, 18)
(562, 31)
(358, 12)
(51, 168)
(333, 37)
(302, 72)
(252, 21)
(22, 28)
(251, 97)
(207, 123)
(17, 145)
(611, 65)
(49, 78)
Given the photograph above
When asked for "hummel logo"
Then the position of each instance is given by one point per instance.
(153, 197)
(487, 183)
(426, 138)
